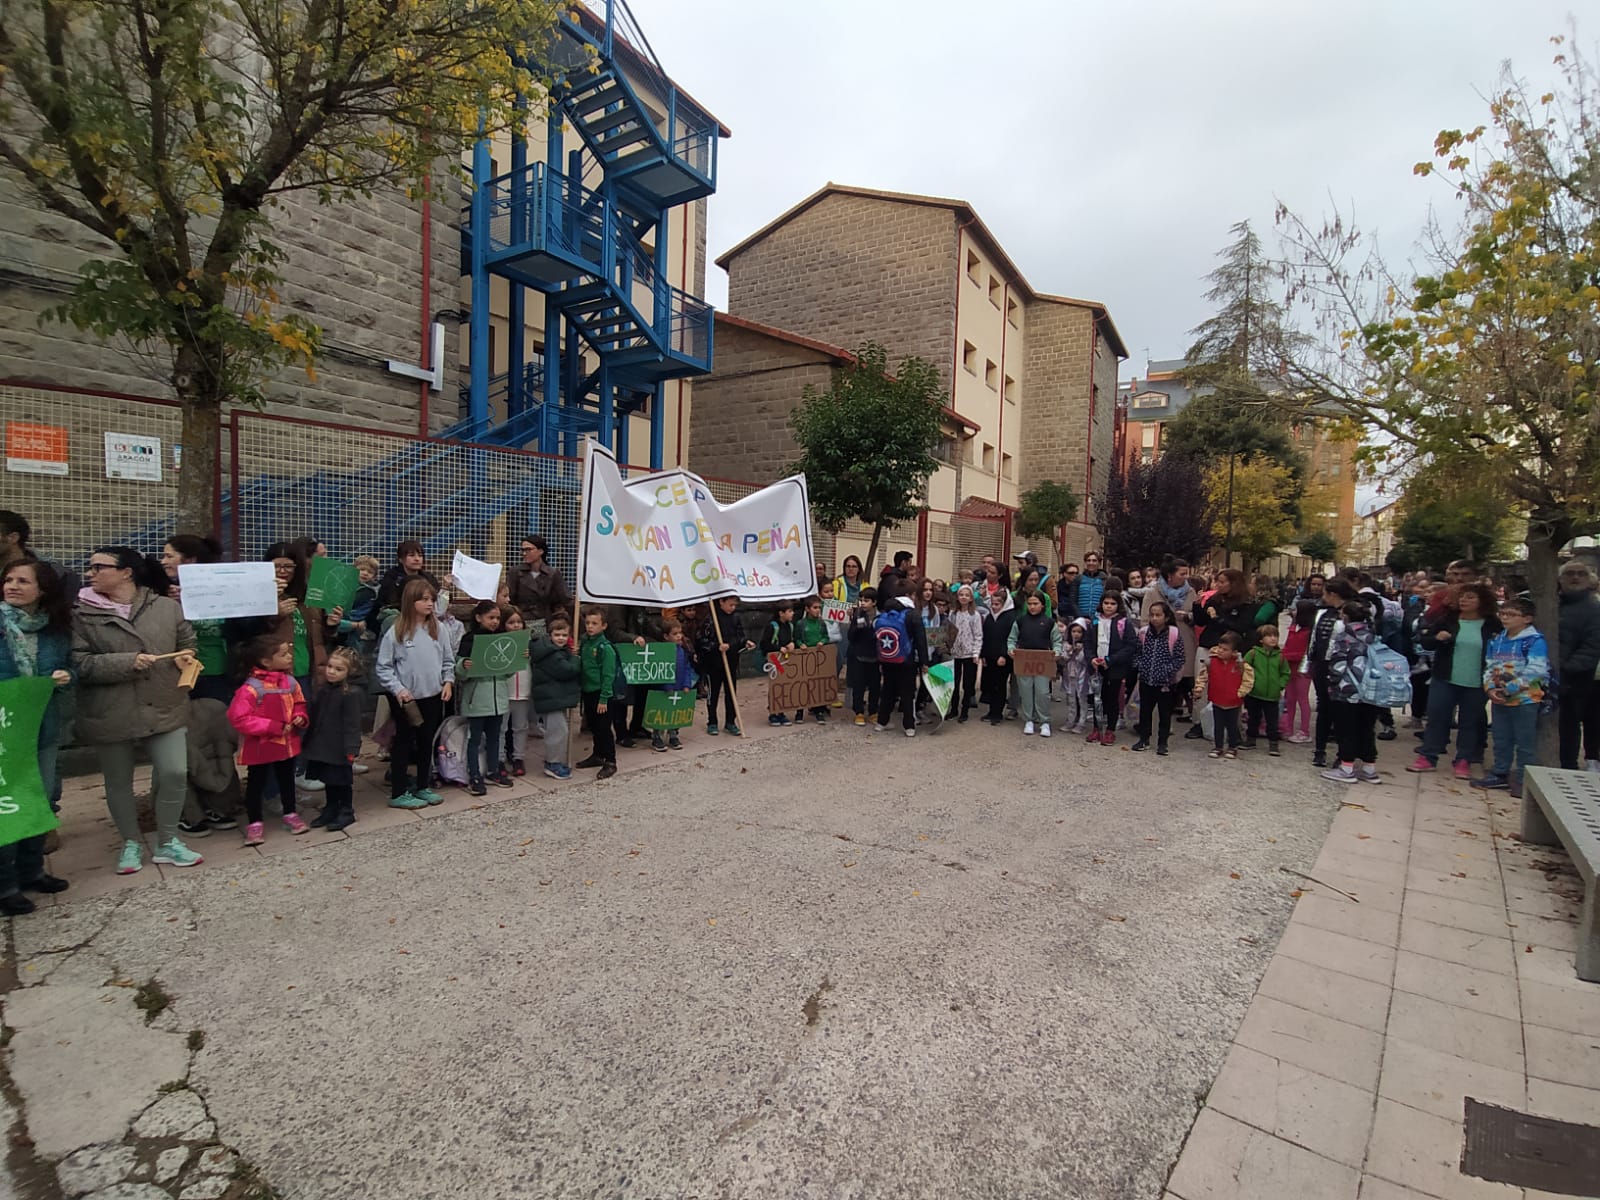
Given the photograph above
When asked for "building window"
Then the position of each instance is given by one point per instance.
(988, 458)
(995, 288)
(1147, 455)
(973, 265)
(1006, 468)
(947, 451)
(1011, 389)
(969, 357)
(1147, 435)
(991, 375)
(1149, 400)
(1011, 312)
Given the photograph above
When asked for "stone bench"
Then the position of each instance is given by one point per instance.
(1563, 807)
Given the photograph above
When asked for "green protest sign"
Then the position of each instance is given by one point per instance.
(331, 584)
(24, 808)
(494, 655)
(669, 710)
(649, 664)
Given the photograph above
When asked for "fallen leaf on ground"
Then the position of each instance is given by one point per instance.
(849, 864)
(1296, 894)
(525, 842)
(1233, 874)
(711, 920)
(1362, 837)
(1115, 917)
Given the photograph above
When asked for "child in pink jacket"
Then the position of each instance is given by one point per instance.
(269, 711)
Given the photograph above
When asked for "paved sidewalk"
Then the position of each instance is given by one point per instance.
(1452, 977)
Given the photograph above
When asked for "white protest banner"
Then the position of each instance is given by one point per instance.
(214, 591)
(662, 539)
(480, 580)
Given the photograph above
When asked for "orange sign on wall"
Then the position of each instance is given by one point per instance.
(36, 449)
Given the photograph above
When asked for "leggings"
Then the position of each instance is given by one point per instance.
(1110, 699)
(484, 730)
(962, 698)
(169, 758)
(255, 781)
(413, 743)
(1297, 699)
(1319, 682)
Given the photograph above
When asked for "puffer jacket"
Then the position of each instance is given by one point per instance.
(115, 702)
(487, 695)
(555, 676)
(1579, 626)
(212, 741)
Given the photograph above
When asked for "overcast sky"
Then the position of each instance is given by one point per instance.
(1109, 146)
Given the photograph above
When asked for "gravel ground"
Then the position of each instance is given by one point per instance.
(833, 964)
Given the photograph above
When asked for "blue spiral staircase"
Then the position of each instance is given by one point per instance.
(575, 228)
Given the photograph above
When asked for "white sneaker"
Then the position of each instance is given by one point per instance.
(302, 784)
(1344, 773)
(1044, 730)
(359, 768)
(1028, 728)
(911, 733)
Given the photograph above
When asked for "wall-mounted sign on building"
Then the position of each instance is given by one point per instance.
(130, 456)
(36, 449)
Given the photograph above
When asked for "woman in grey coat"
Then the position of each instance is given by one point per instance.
(123, 634)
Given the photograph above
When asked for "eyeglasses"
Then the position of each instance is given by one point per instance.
(95, 568)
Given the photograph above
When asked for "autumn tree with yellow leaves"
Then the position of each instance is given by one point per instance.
(168, 127)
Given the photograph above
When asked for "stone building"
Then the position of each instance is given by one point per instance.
(1033, 374)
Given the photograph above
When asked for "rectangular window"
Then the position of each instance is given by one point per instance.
(973, 268)
(969, 357)
(1011, 312)
(1011, 389)
(995, 288)
(1147, 435)
(947, 451)
(991, 374)
(988, 458)
(1006, 467)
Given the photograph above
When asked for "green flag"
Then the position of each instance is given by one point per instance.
(24, 808)
(668, 710)
(494, 655)
(331, 584)
(651, 663)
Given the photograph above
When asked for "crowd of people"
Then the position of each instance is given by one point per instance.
(1248, 663)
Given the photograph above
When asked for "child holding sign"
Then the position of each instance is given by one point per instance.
(485, 700)
(812, 631)
(782, 634)
(720, 661)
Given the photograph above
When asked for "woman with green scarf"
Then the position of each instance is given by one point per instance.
(35, 641)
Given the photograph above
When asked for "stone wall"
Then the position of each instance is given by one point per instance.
(353, 268)
(854, 268)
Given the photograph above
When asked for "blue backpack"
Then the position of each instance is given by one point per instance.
(1386, 681)
(894, 639)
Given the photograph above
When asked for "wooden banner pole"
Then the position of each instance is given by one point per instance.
(733, 692)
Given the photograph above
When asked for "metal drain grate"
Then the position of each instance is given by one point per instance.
(1518, 1148)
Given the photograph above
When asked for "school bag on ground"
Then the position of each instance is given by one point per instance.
(450, 751)
(894, 639)
(1386, 681)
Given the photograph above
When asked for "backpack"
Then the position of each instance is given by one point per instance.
(1173, 637)
(893, 638)
(1386, 681)
(450, 751)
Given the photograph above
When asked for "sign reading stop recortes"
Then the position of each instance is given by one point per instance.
(33, 449)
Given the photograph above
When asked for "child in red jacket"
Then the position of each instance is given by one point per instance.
(269, 711)
(1225, 680)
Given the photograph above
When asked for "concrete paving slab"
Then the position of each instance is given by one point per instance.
(1478, 1037)
(1227, 1160)
(1329, 1047)
(1321, 1114)
(1423, 1152)
(1335, 951)
(1452, 983)
(1439, 1083)
(1331, 993)
(1481, 951)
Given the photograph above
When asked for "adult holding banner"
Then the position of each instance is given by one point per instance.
(211, 647)
(35, 643)
(538, 589)
(129, 646)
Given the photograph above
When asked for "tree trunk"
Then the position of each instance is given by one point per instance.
(872, 552)
(1545, 539)
(199, 391)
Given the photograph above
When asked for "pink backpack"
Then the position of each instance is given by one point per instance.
(1173, 637)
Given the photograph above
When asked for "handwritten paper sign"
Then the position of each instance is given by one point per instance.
(807, 677)
(663, 539)
(1034, 662)
(651, 663)
(837, 611)
(940, 680)
(24, 808)
(494, 655)
(480, 580)
(669, 710)
(215, 591)
(331, 584)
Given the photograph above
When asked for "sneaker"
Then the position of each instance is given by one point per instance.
(558, 771)
(1162, 750)
(359, 768)
(860, 720)
(658, 744)
(711, 728)
(735, 731)
(1319, 759)
(220, 820)
(501, 779)
(911, 733)
(775, 719)
(1343, 773)
(1273, 751)
(1387, 734)
(1196, 733)
(200, 828)
(131, 858)
(1420, 765)
(1368, 773)
(47, 885)
(295, 823)
(173, 853)
(1492, 783)
(1094, 736)
(302, 784)
(1248, 744)
(255, 833)
(1027, 729)
(800, 717)
(607, 771)
(1231, 753)
(519, 768)
(820, 717)
(1141, 745)
(594, 760)
(428, 796)
(879, 726)
(475, 788)
(1214, 754)
(407, 800)
(1108, 738)
(1461, 769)
(626, 742)
(783, 719)
(1044, 730)
(673, 743)
(16, 905)
(838, 703)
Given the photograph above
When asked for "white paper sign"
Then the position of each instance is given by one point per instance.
(130, 456)
(213, 591)
(480, 580)
(663, 539)
(835, 610)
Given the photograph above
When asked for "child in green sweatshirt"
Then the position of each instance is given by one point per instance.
(812, 630)
(1272, 676)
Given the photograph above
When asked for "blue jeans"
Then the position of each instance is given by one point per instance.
(482, 730)
(1516, 729)
(1446, 699)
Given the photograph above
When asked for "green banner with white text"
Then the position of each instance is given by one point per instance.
(24, 808)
